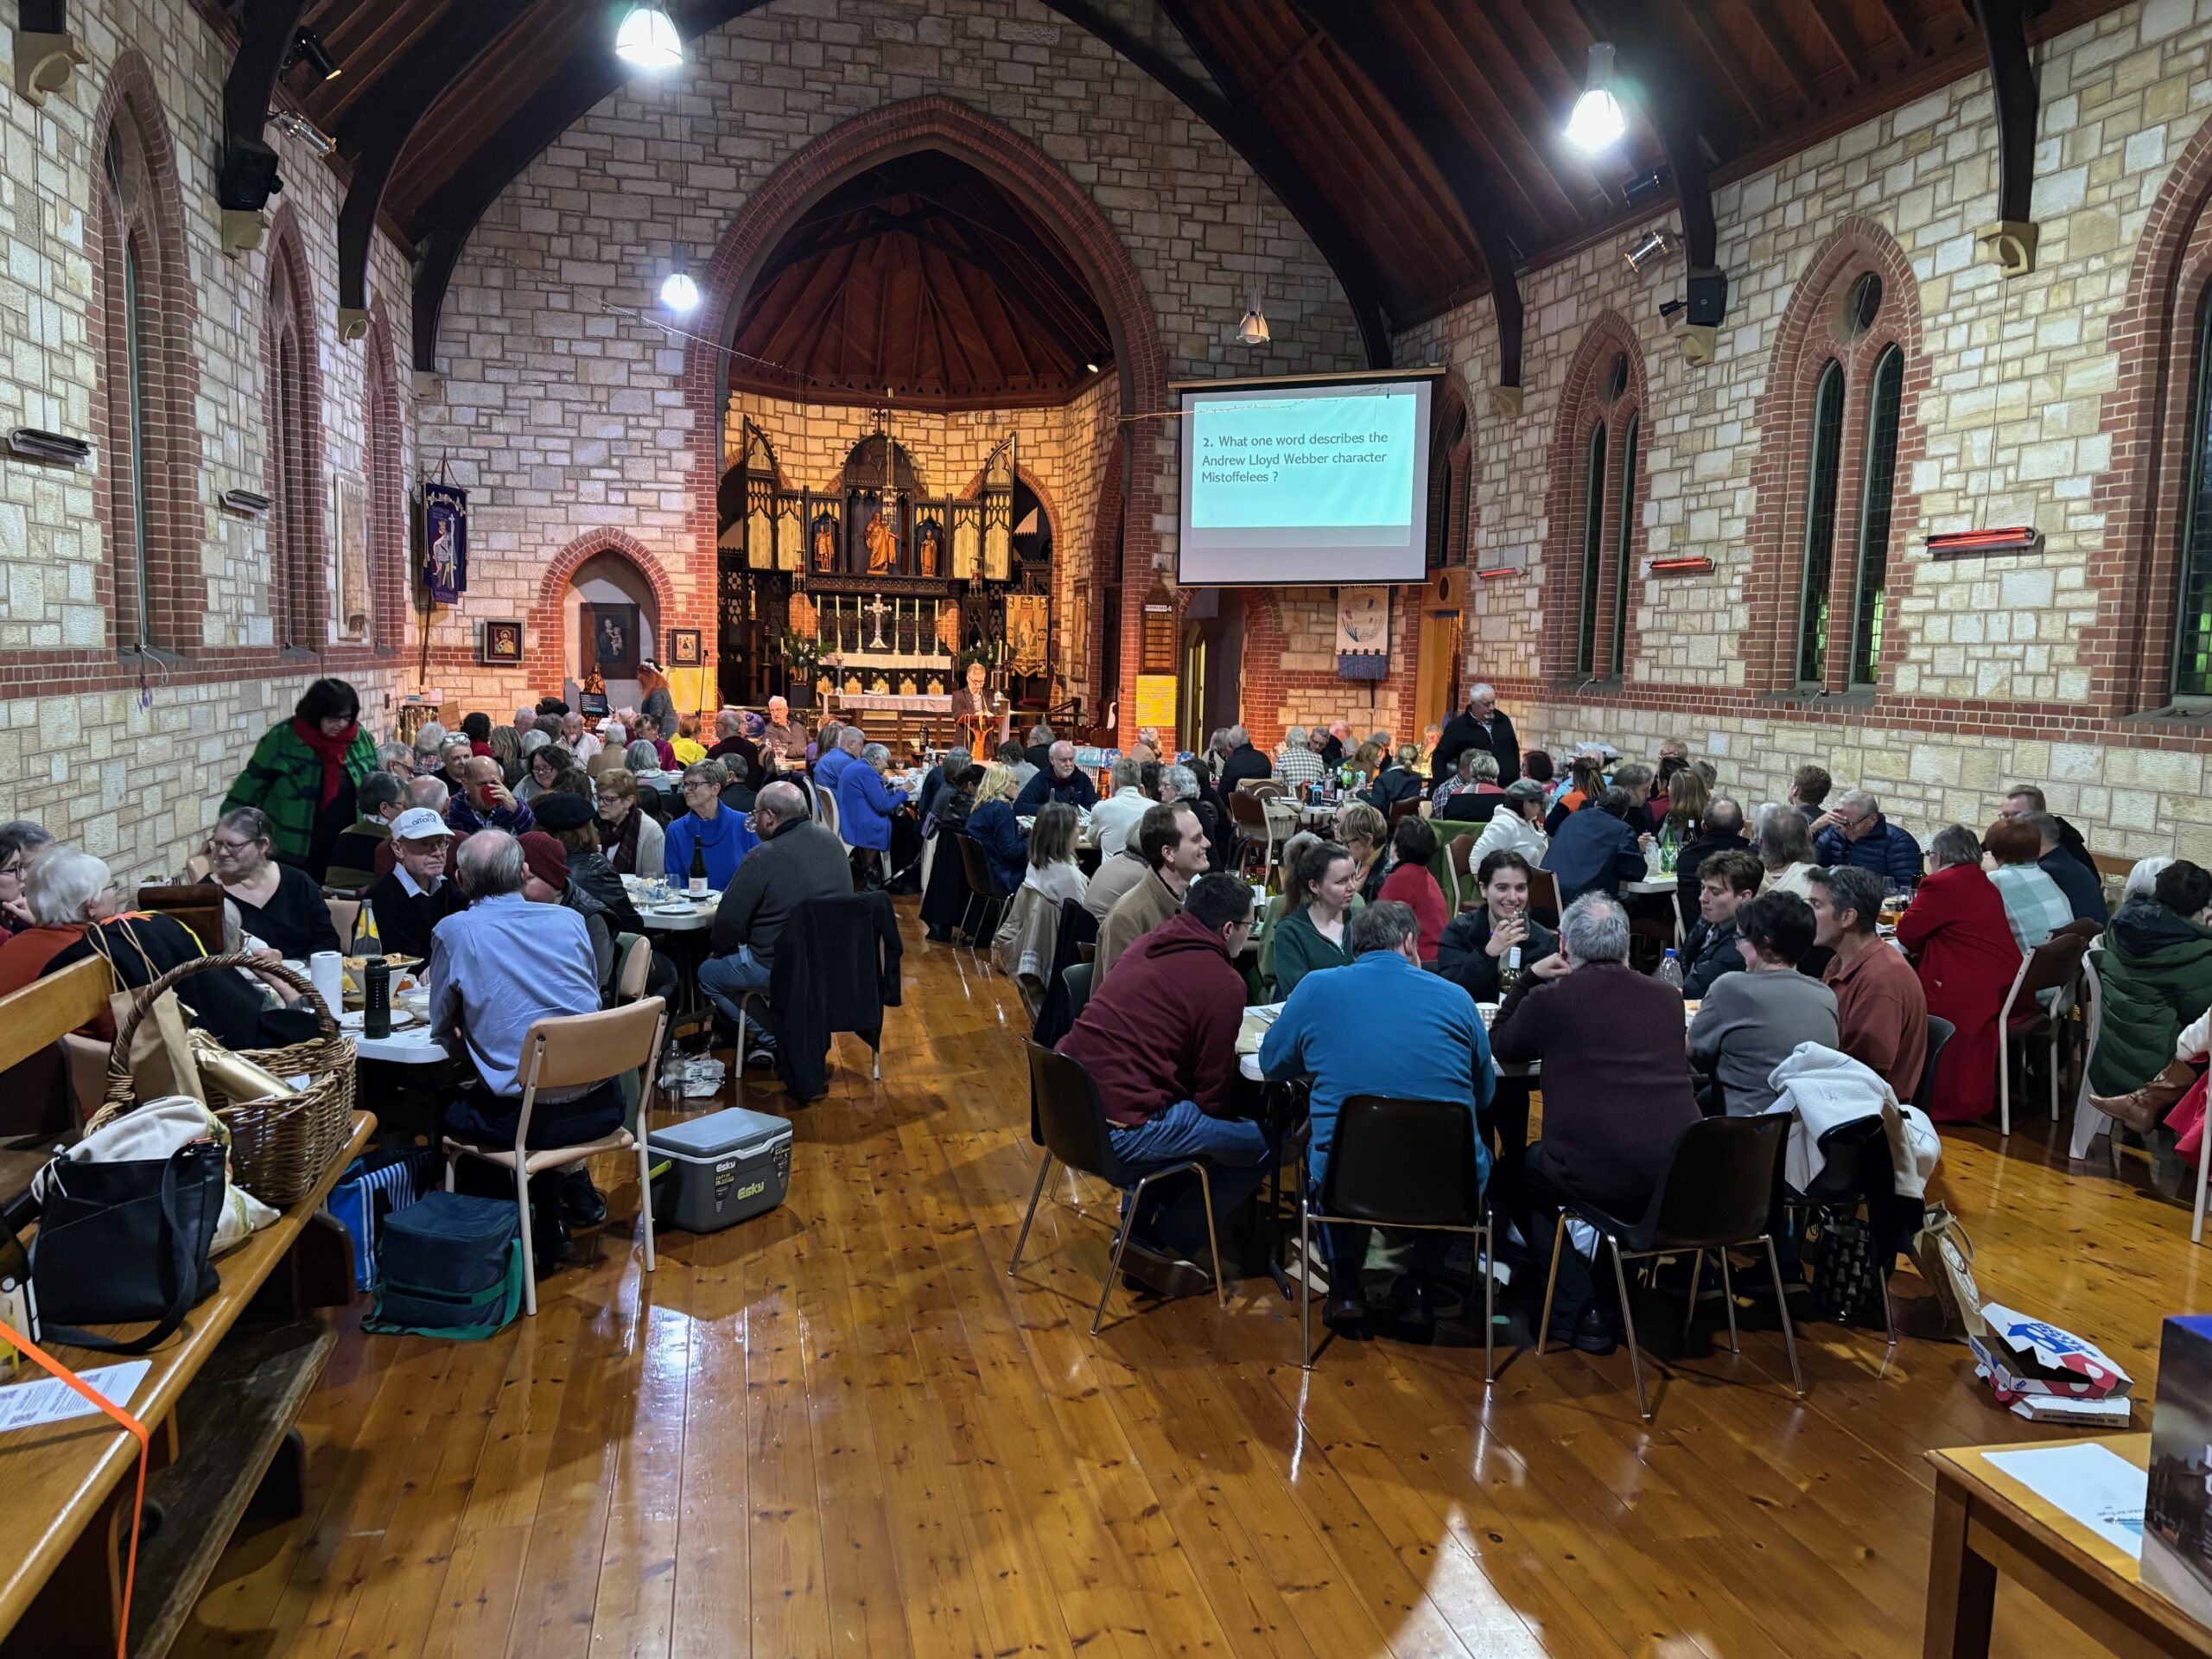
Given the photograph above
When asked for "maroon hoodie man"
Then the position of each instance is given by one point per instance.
(1159, 1040)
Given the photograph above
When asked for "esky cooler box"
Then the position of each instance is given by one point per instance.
(721, 1169)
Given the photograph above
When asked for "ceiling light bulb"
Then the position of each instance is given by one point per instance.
(648, 40)
(679, 293)
(1596, 122)
(1091, 368)
(1252, 327)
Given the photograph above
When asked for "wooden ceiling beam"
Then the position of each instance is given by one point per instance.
(444, 222)
(1282, 72)
(1905, 35)
(2013, 85)
(247, 177)
(1355, 30)
(1776, 35)
(384, 119)
(1673, 96)
(1431, 22)
(1840, 36)
(1749, 97)
(1230, 113)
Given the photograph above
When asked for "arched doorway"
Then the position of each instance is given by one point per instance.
(610, 618)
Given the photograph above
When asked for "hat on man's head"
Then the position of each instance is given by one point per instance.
(419, 823)
(561, 809)
(546, 858)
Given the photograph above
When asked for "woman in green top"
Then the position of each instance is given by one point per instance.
(1312, 934)
(303, 774)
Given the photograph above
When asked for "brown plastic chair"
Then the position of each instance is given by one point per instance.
(1255, 829)
(1459, 849)
(1543, 897)
(571, 1052)
(2049, 966)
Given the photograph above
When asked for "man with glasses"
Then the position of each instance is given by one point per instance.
(21, 843)
(486, 803)
(411, 900)
(1853, 833)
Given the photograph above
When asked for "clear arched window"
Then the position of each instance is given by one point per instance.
(1884, 406)
(1820, 525)
(1594, 549)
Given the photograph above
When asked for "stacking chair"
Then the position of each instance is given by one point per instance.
(1401, 1163)
(1077, 977)
(1255, 830)
(984, 888)
(1543, 897)
(1067, 1119)
(1716, 1194)
(1461, 851)
(2051, 966)
(1939, 1032)
(344, 916)
(1858, 1170)
(569, 1051)
(825, 810)
(2088, 1122)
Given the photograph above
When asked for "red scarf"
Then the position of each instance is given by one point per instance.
(332, 749)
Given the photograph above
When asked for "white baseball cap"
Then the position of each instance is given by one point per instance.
(419, 823)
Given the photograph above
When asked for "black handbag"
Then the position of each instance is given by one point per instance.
(122, 1243)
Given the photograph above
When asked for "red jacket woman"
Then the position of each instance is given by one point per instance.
(1961, 944)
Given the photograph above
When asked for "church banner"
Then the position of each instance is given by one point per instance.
(445, 543)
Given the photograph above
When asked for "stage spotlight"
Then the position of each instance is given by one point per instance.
(308, 48)
(299, 127)
(1651, 246)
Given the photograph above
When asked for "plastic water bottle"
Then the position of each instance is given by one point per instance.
(1670, 970)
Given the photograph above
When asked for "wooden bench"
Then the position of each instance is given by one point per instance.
(222, 1400)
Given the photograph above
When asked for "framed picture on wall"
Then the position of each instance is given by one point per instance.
(612, 648)
(684, 647)
(500, 644)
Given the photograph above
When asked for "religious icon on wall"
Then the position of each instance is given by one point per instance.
(445, 543)
(502, 643)
(683, 646)
(927, 550)
(882, 547)
(611, 640)
(825, 542)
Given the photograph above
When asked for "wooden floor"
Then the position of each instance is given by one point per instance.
(842, 1430)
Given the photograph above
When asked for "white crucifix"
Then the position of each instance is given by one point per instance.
(879, 610)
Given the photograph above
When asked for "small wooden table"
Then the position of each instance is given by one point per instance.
(1986, 1523)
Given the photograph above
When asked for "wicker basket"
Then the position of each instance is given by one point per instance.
(279, 1150)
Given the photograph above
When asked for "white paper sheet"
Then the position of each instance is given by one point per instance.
(49, 1400)
(2094, 1483)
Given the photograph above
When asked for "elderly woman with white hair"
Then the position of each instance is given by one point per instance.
(77, 906)
(867, 809)
(710, 840)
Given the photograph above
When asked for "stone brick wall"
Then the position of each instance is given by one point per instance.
(123, 755)
(566, 407)
(2027, 401)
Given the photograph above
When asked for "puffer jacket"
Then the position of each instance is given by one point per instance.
(2156, 973)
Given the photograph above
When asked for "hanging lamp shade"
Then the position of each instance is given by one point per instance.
(647, 40)
(1252, 327)
(1596, 122)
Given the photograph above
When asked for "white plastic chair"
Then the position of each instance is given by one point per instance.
(571, 1052)
(2049, 966)
(2088, 1122)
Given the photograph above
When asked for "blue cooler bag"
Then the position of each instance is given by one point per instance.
(448, 1266)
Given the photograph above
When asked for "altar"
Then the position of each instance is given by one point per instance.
(871, 702)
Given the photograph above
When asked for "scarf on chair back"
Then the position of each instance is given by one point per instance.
(330, 750)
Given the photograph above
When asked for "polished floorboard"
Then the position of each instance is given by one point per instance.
(842, 1430)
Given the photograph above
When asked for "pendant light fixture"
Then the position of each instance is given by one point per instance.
(678, 291)
(1252, 327)
(647, 40)
(1596, 122)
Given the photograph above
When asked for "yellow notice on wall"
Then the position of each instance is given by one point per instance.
(1155, 705)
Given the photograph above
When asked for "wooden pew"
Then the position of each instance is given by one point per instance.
(221, 1398)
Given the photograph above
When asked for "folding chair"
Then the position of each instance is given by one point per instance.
(1401, 1163)
(569, 1052)
(1716, 1195)
(1067, 1119)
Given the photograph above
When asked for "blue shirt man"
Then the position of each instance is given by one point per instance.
(496, 970)
(1059, 780)
(1434, 1049)
(1595, 850)
(1854, 833)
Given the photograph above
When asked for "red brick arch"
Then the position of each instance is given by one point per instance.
(546, 650)
(2136, 574)
(942, 124)
(1582, 404)
(1806, 339)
